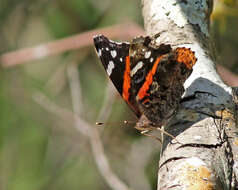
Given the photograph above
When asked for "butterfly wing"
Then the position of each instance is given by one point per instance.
(150, 78)
(116, 61)
(160, 94)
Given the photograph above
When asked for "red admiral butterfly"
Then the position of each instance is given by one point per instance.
(150, 78)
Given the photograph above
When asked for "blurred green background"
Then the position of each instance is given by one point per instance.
(40, 150)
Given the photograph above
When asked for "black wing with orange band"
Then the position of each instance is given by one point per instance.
(149, 78)
(116, 61)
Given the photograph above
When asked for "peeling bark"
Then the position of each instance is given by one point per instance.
(205, 123)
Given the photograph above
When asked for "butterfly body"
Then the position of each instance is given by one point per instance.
(150, 78)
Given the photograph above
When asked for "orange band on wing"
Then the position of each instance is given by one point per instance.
(127, 80)
(148, 80)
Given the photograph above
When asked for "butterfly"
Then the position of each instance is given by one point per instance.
(148, 76)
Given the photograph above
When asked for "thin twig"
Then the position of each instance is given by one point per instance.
(110, 95)
(96, 144)
(57, 79)
(60, 112)
(75, 88)
(94, 138)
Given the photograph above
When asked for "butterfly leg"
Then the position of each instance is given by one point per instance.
(166, 133)
(145, 132)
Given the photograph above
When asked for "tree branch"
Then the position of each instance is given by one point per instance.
(67, 44)
(206, 158)
(25, 55)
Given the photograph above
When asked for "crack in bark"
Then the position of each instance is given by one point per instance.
(229, 156)
(209, 146)
(174, 186)
(172, 159)
(227, 149)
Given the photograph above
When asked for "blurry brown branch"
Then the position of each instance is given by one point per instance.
(83, 40)
(69, 43)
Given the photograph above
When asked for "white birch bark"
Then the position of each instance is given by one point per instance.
(205, 122)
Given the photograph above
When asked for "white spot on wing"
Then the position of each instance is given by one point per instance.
(121, 59)
(99, 52)
(107, 48)
(147, 54)
(110, 67)
(151, 59)
(138, 66)
(113, 53)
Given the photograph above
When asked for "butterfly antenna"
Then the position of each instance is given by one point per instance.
(126, 122)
